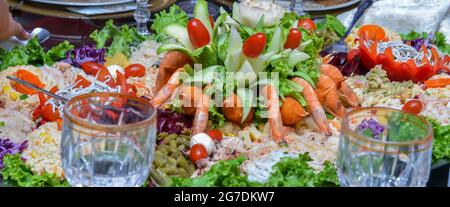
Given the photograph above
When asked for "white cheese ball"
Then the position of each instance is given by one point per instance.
(113, 70)
(205, 140)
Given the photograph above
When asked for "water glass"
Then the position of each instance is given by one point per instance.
(382, 147)
(108, 140)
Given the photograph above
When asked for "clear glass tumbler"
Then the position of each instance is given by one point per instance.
(108, 140)
(382, 147)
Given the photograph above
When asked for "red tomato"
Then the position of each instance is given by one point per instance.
(293, 39)
(198, 34)
(29, 77)
(92, 68)
(215, 134)
(254, 45)
(352, 54)
(211, 20)
(372, 32)
(134, 70)
(307, 23)
(413, 106)
(49, 114)
(198, 152)
(104, 75)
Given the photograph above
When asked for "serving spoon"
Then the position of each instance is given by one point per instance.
(340, 46)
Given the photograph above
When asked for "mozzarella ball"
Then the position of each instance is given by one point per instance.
(205, 140)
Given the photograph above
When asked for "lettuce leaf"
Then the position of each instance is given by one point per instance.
(16, 172)
(174, 15)
(441, 43)
(441, 144)
(217, 118)
(122, 38)
(33, 54)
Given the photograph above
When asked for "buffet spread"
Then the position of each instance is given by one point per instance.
(245, 99)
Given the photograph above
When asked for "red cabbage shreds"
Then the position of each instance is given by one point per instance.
(347, 68)
(9, 147)
(78, 56)
(370, 128)
(417, 43)
(172, 122)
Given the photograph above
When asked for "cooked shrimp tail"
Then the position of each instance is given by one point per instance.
(314, 106)
(169, 64)
(273, 107)
(166, 91)
(201, 114)
(345, 92)
(328, 96)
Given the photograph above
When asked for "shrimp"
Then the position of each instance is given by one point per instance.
(273, 105)
(169, 64)
(292, 111)
(345, 92)
(166, 91)
(201, 114)
(328, 96)
(314, 107)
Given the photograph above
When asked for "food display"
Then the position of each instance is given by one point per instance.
(245, 99)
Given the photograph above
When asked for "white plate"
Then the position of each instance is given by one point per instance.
(310, 5)
(82, 3)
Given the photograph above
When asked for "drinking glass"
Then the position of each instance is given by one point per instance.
(108, 140)
(400, 155)
(142, 16)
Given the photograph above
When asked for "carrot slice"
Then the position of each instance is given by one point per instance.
(437, 83)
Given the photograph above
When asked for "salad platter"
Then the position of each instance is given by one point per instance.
(247, 99)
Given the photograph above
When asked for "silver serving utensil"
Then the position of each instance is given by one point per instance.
(41, 34)
(340, 45)
(65, 100)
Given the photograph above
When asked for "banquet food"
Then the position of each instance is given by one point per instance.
(243, 100)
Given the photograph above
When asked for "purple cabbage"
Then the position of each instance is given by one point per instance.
(417, 43)
(370, 128)
(78, 56)
(9, 147)
(347, 68)
(172, 122)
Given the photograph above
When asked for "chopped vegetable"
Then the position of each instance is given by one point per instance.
(215, 134)
(23, 97)
(198, 34)
(8, 147)
(2, 124)
(370, 128)
(16, 172)
(254, 45)
(78, 56)
(172, 122)
(198, 152)
(413, 106)
(402, 127)
(441, 146)
(217, 119)
(307, 24)
(293, 39)
(437, 83)
(174, 15)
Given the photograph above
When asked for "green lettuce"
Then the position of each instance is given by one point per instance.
(441, 144)
(441, 43)
(217, 118)
(16, 172)
(174, 15)
(288, 172)
(122, 38)
(33, 54)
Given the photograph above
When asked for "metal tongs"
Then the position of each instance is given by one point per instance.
(65, 100)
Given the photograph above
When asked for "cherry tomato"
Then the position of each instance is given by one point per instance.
(215, 134)
(293, 39)
(307, 23)
(29, 77)
(372, 32)
(134, 70)
(198, 152)
(413, 106)
(211, 20)
(81, 82)
(104, 75)
(92, 68)
(198, 34)
(49, 114)
(254, 45)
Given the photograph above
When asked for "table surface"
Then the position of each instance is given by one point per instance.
(80, 28)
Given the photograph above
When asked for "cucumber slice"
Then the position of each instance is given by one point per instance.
(235, 40)
(180, 33)
(235, 14)
(246, 96)
(276, 44)
(303, 45)
(260, 63)
(234, 57)
(296, 56)
(201, 13)
(170, 47)
(246, 75)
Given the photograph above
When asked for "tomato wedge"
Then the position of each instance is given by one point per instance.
(49, 114)
(198, 34)
(307, 23)
(29, 77)
(81, 82)
(215, 134)
(413, 106)
(293, 39)
(254, 45)
(372, 32)
(134, 70)
(106, 77)
(92, 68)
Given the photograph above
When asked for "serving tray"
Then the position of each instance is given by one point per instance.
(82, 2)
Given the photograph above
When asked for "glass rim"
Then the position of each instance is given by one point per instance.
(428, 138)
(104, 127)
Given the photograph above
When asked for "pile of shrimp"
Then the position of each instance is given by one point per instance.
(331, 93)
